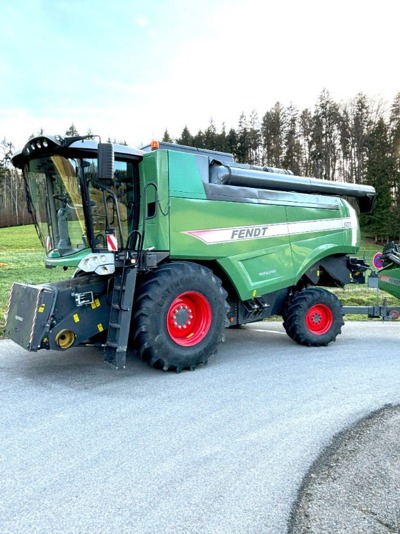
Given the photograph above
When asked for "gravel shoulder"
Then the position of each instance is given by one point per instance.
(354, 486)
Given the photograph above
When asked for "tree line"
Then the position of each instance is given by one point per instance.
(355, 141)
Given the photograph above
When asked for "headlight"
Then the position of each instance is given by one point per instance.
(98, 263)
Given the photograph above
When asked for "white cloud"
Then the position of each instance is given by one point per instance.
(258, 52)
(194, 63)
(141, 21)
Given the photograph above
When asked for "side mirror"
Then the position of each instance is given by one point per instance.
(105, 154)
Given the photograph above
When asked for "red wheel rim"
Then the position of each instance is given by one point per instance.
(319, 319)
(189, 319)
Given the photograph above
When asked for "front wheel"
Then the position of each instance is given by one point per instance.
(180, 316)
(314, 317)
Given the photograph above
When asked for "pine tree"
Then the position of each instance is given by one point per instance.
(186, 138)
(254, 139)
(198, 140)
(395, 129)
(394, 125)
(380, 173)
(166, 137)
(231, 145)
(355, 125)
(72, 131)
(6, 151)
(345, 142)
(272, 131)
(325, 137)
(221, 140)
(361, 126)
(12, 191)
(305, 133)
(243, 140)
(292, 147)
(210, 136)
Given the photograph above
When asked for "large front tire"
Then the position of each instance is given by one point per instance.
(180, 316)
(314, 317)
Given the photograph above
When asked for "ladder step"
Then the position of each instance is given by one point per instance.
(118, 307)
(114, 325)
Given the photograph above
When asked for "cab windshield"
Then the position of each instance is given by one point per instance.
(57, 201)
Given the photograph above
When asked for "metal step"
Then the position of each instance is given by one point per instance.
(120, 317)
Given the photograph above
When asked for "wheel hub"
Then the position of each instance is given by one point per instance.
(316, 318)
(182, 317)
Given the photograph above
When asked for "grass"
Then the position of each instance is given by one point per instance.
(22, 260)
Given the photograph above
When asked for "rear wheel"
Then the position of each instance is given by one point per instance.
(180, 317)
(314, 317)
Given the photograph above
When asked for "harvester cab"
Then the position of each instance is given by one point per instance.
(81, 194)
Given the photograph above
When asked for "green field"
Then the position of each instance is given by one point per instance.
(22, 260)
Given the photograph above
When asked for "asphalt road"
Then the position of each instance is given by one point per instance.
(223, 449)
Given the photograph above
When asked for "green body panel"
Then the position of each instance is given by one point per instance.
(155, 200)
(185, 175)
(67, 261)
(174, 174)
(339, 234)
(262, 248)
(389, 280)
(246, 261)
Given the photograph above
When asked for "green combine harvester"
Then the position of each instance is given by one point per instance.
(172, 244)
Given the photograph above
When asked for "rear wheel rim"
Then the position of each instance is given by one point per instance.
(189, 319)
(319, 319)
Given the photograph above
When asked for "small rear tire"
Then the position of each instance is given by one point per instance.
(313, 317)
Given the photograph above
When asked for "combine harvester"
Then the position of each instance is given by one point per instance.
(172, 244)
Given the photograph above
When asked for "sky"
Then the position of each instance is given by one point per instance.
(130, 69)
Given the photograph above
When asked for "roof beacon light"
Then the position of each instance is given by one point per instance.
(154, 145)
